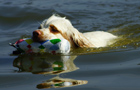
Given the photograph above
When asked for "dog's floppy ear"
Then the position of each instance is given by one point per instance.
(80, 40)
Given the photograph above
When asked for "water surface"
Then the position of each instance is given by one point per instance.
(111, 68)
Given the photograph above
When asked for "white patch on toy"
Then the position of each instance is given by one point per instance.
(53, 46)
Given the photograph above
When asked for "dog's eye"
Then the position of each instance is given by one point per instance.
(53, 29)
(39, 27)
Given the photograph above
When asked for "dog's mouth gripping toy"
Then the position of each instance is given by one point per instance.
(53, 46)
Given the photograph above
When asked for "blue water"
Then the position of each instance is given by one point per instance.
(113, 68)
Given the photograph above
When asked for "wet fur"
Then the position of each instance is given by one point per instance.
(60, 27)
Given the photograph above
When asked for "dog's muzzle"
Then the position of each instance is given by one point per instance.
(36, 36)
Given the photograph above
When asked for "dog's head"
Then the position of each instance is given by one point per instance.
(43, 34)
(58, 27)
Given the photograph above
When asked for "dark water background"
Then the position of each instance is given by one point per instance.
(113, 68)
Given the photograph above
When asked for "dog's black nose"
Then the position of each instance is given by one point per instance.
(36, 33)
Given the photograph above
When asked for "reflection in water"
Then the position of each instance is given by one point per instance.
(58, 82)
(41, 64)
(50, 64)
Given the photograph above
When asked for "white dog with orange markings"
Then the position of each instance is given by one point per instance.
(60, 27)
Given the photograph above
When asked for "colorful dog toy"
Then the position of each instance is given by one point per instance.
(53, 46)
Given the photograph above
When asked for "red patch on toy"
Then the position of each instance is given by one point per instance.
(19, 41)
